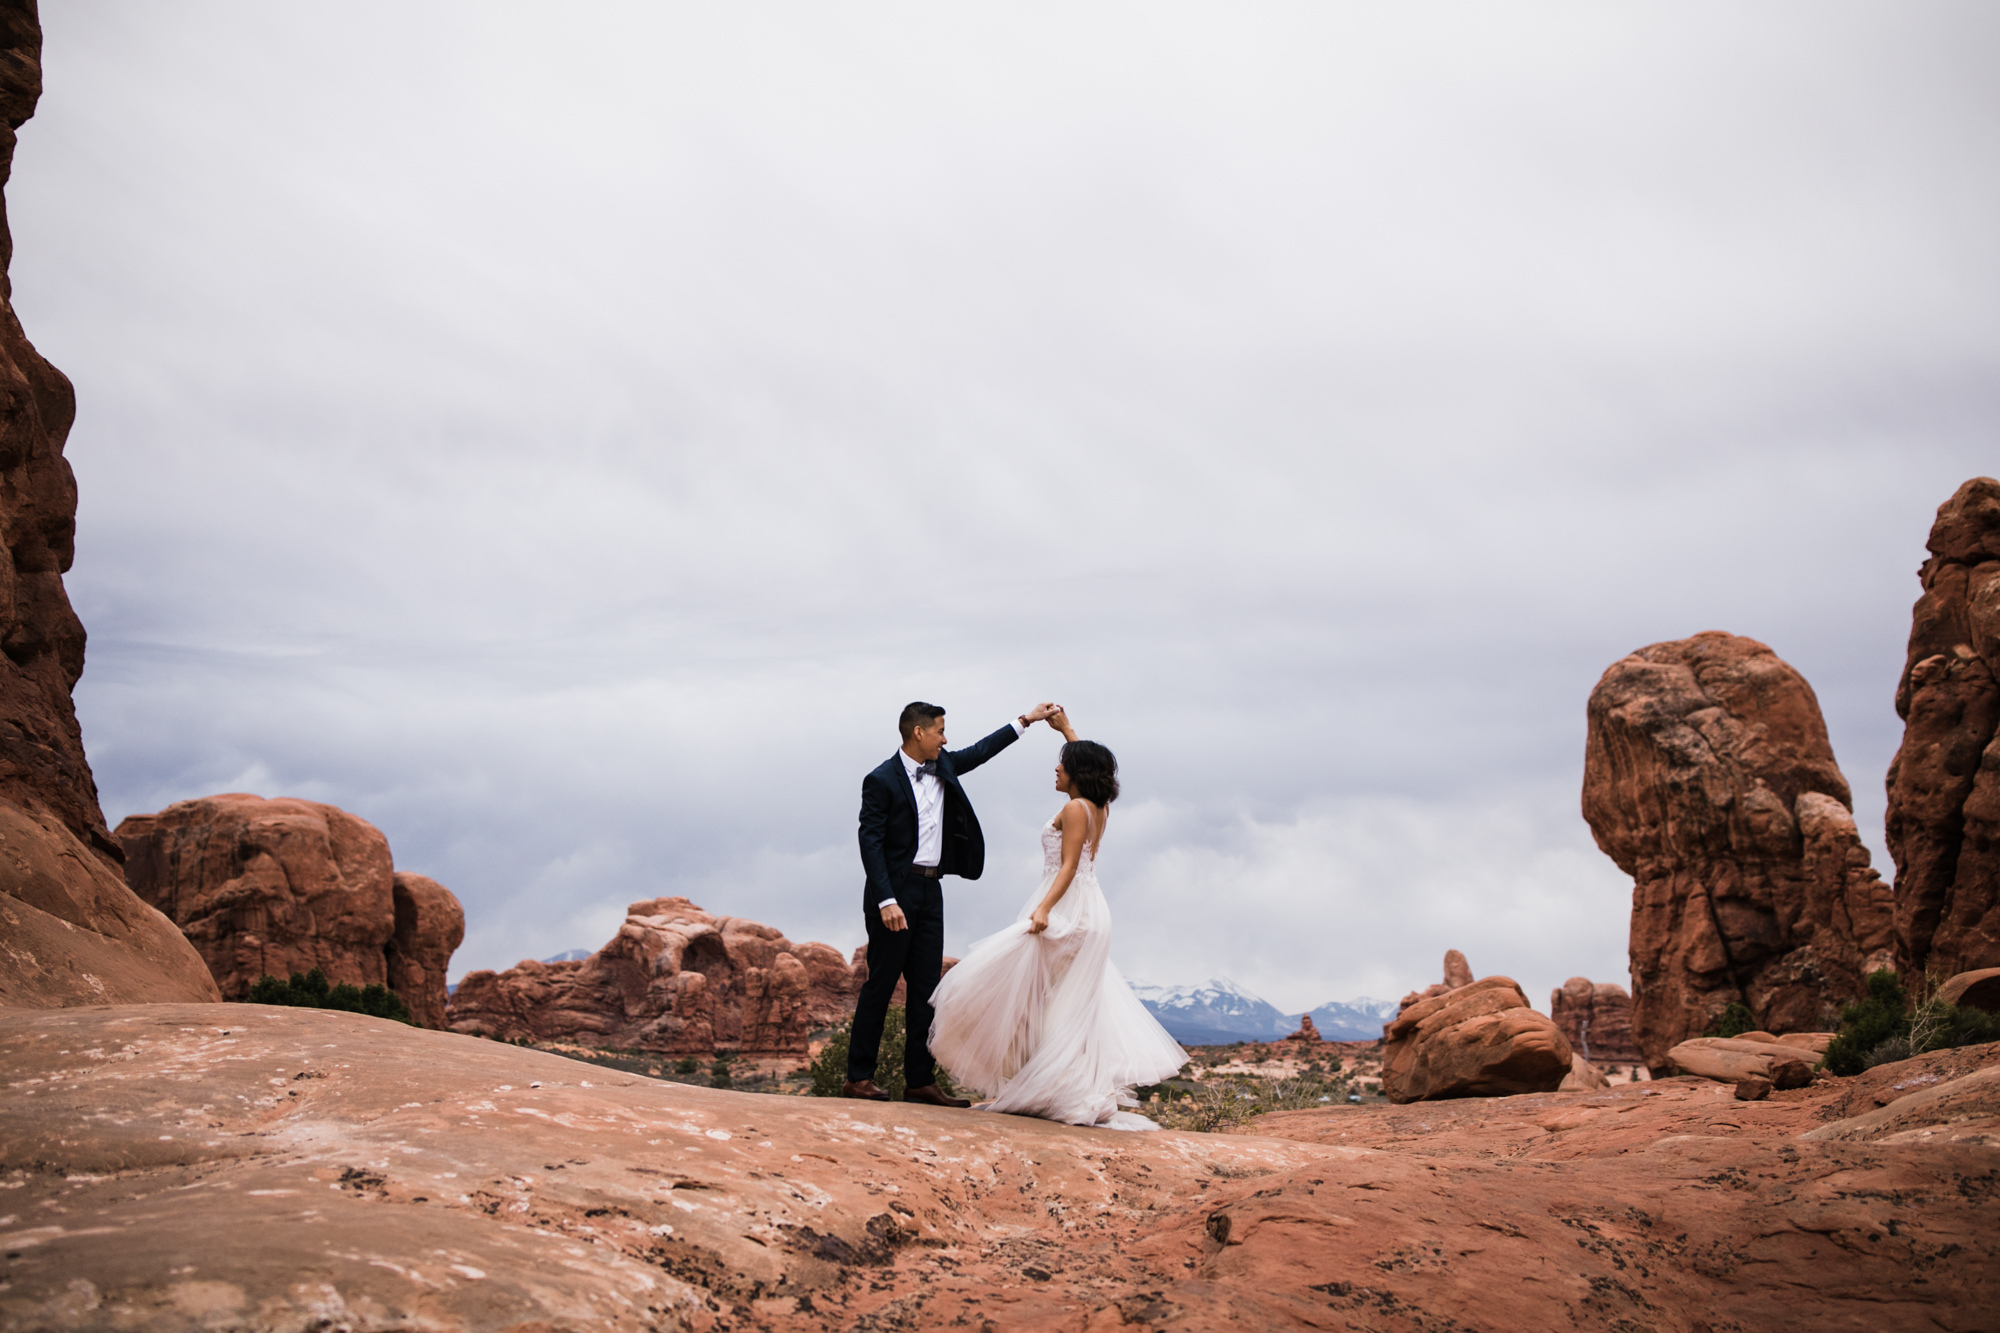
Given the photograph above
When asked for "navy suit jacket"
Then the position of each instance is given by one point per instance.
(889, 819)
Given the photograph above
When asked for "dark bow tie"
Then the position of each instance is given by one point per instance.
(930, 768)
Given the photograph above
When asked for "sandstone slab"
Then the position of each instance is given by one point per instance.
(287, 1169)
(1732, 1059)
(1979, 989)
(1708, 778)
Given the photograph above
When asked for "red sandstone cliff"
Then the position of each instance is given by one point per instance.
(273, 887)
(1944, 784)
(70, 930)
(1708, 778)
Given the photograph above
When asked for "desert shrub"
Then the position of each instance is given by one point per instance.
(687, 1066)
(1876, 1018)
(1736, 1020)
(829, 1067)
(718, 1073)
(311, 990)
(1883, 1026)
(1206, 1109)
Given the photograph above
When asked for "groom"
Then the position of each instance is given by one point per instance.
(916, 827)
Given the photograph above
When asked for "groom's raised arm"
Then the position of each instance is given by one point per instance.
(977, 753)
(874, 824)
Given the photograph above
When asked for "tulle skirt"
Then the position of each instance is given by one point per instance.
(1044, 1024)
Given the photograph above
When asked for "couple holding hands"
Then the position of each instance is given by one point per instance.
(1035, 1016)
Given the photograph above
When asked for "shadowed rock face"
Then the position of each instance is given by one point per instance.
(275, 887)
(1597, 1019)
(1944, 784)
(373, 1176)
(70, 931)
(1708, 778)
(674, 979)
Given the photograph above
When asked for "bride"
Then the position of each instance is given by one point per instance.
(1036, 1015)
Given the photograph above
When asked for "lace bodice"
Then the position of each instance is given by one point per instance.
(1086, 862)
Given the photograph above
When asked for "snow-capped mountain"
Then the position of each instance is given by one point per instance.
(1220, 1011)
(1359, 1019)
(1214, 1013)
(569, 956)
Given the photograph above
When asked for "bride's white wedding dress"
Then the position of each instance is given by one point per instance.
(1044, 1024)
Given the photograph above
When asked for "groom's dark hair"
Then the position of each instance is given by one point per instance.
(917, 715)
(1093, 771)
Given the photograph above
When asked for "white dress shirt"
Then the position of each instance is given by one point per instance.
(929, 794)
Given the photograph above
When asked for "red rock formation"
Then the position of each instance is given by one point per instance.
(1597, 1019)
(1978, 989)
(1944, 784)
(1308, 1032)
(1457, 972)
(430, 925)
(1476, 1040)
(274, 887)
(410, 1179)
(1709, 779)
(70, 931)
(674, 979)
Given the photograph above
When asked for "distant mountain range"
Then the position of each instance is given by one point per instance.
(569, 956)
(1220, 1011)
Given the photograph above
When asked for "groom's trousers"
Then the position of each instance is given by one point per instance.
(916, 956)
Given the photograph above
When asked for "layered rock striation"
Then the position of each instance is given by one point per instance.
(70, 931)
(1597, 1019)
(674, 979)
(275, 887)
(1709, 779)
(1944, 783)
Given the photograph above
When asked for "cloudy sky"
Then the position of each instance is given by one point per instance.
(566, 437)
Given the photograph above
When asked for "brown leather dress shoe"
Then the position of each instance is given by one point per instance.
(864, 1090)
(932, 1095)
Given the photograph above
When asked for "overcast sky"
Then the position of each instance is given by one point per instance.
(565, 437)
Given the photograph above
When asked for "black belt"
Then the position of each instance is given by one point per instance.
(926, 872)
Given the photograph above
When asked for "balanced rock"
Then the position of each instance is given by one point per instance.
(1597, 1019)
(1476, 1040)
(273, 887)
(72, 932)
(1944, 783)
(674, 979)
(1457, 972)
(1709, 779)
(1308, 1031)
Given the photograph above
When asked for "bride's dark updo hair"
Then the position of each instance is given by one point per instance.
(1093, 771)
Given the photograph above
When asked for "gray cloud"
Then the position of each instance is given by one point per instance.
(567, 445)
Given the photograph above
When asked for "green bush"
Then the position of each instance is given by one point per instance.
(1880, 1028)
(687, 1066)
(311, 990)
(1735, 1021)
(829, 1068)
(718, 1073)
